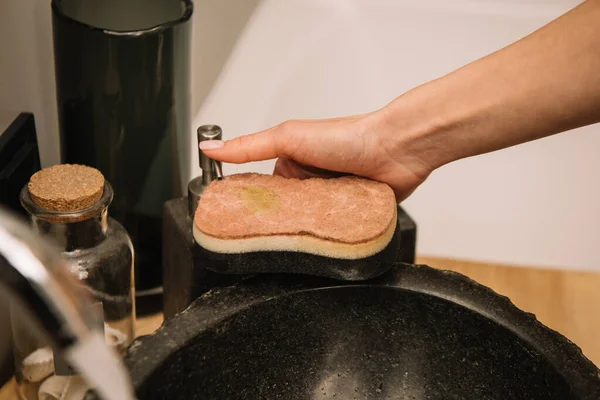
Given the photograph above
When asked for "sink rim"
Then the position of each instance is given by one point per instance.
(206, 311)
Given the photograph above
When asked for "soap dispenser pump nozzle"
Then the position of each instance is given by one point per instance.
(211, 169)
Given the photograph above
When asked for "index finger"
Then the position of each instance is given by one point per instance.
(258, 146)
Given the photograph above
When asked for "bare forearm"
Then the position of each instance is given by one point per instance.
(546, 83)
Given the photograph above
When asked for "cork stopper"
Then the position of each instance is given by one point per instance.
(66, 187)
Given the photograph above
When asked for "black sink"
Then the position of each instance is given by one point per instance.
(414, 333)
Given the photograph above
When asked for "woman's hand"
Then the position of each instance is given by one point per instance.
(364, 145)
(543, 84)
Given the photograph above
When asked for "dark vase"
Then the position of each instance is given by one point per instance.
(123, 82)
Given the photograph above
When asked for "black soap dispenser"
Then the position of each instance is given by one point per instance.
(184, 276)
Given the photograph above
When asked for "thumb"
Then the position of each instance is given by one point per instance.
(258, 146)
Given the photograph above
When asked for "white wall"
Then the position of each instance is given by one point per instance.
(537, 204)
(27, 69)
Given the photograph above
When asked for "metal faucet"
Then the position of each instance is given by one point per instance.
(34, 275)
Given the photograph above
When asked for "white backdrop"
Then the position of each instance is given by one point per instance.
(537, 204)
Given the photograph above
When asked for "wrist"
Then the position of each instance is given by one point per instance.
(440, 122)
(415, 126)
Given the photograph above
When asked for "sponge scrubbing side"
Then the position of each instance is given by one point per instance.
(347, 219)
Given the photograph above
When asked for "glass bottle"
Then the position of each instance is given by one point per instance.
(100, 256)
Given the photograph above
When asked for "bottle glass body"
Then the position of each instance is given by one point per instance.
(100, 257)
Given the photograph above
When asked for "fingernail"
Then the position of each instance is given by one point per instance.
(211, 144)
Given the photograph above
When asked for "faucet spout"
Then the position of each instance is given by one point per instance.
(34, 275)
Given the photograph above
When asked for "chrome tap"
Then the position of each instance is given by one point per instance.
(51, 301)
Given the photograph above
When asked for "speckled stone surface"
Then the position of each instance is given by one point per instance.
(412, 333)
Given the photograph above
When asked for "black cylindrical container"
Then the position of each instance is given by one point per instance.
(123, 82)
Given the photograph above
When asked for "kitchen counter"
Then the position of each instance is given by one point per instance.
(565, 301)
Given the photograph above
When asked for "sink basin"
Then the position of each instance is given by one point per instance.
(414, 333)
